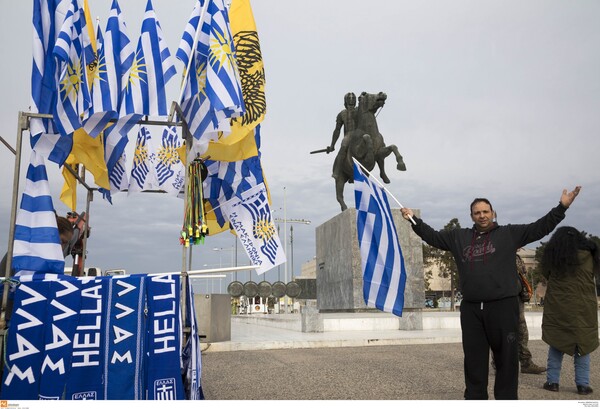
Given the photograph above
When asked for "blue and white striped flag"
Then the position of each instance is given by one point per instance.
(384, 274)
(72, 54)
(212, 92)
(48, 17)
(104, 92)
(119, 53)
(226, 180)
(153, 67)
(143, 174)
(37, 245)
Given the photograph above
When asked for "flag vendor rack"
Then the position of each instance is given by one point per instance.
(23, 125)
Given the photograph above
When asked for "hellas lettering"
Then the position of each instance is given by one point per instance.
(165, 326)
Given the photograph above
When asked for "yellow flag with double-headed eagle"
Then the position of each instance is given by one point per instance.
(240, 143)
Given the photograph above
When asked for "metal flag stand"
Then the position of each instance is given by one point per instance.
(23, 125)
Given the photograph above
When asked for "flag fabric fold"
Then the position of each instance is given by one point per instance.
(88, 144)
(103, 92)
(72, 54)
(226, 180)
(37, 245)
(152, 68)
(119, 54)
(170, 171)
(240, 143)
(212, 92)
(250, 217)
(384, 273)
(143, 173)
(48, 17)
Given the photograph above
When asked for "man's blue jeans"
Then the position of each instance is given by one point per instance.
(582, 367)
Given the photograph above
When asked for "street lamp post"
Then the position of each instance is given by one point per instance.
(220, 250)
(285, 221)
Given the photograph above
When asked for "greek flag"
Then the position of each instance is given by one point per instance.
(104, 92)
(48, 16)
(143, 175)
(152, 68)
(250, 217)
(170, 171)
(118, 53)
(37, 242)
(384, 275)
(72, 54)
(212, 92)
(228, 179)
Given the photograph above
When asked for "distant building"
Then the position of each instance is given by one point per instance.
(309, 269)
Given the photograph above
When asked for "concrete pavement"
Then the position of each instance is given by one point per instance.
(266, 362)
(283, 331)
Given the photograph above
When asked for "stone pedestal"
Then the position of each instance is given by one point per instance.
(339, 272)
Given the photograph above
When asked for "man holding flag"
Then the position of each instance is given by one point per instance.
(489, 312)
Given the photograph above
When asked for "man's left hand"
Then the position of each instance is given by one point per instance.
(567, 198)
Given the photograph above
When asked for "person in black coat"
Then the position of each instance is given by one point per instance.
(489, 312)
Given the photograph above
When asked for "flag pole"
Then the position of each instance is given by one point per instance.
(193, 50)
(383, 187)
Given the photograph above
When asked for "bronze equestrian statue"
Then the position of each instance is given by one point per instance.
(362, 141)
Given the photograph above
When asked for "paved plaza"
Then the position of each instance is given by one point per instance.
(267, 363)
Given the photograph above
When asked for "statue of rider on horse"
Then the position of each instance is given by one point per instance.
(362, 141)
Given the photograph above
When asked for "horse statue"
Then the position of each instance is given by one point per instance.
(366, 145)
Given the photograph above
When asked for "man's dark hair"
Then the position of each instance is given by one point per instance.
(477, 200)
(64, 225)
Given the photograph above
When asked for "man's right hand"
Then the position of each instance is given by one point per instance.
(330, 149)
(407, 213)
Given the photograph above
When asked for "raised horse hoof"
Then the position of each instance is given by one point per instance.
(401, 166)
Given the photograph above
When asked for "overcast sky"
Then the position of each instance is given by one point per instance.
(499, 99)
